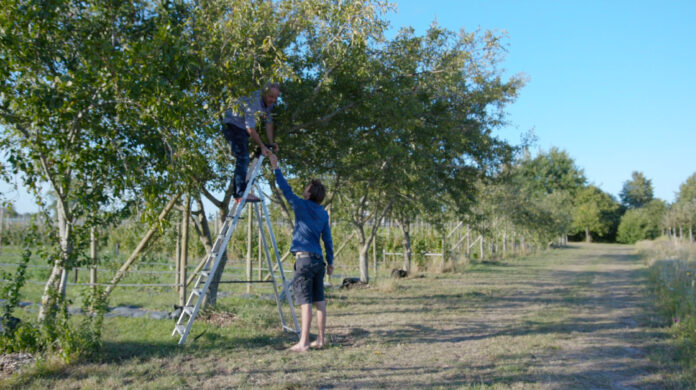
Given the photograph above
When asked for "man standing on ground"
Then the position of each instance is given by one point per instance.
(311, 224)
(240, 123)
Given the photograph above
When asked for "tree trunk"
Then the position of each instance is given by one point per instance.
(213, 290)
(468, 243)
(93, 258)
(504, 243)
(366, 241)
(2, 215)
(363, 250)
(406, 230)
(374, 255)
(54, 290)
(177, 261)
(588, 237)
(200, 223)
(184, 249)
(481, 249)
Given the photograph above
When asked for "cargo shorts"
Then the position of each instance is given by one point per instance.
(308, 283)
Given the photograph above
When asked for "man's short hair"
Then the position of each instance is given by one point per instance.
(317, 191)
(269, 86)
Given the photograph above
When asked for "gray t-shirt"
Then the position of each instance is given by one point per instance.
(244, 112)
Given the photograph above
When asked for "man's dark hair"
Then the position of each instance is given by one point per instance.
(317, 191)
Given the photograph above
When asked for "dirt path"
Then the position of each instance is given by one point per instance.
(572, 318)
(575, 318)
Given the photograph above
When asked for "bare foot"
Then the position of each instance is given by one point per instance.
(299, 348)
(316, 344)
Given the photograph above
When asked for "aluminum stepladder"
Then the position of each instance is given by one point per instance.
(213, 259)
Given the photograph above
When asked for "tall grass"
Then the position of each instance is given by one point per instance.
(672, 276)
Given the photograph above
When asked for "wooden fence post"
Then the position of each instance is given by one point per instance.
(260, 254)
(374, 254)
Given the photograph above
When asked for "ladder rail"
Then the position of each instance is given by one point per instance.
(270, 265)
(280, 266)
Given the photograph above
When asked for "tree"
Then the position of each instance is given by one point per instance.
(593, 212)
(410, 121)
(642, 223)
(636, 192)
(243, 44)
(553, 171)
(86, 96)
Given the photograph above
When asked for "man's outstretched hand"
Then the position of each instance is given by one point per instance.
(274, 161)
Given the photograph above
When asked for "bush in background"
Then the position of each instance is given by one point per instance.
(641, 223)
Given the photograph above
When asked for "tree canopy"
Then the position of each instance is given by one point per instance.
(637, 191)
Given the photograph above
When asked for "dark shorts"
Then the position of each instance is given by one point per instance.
(308, 283)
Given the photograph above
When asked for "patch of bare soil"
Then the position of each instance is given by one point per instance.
(218, 318)
(13, 362)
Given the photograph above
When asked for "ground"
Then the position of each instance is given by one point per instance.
(572, 318)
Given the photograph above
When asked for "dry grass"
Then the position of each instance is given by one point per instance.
(569, 318)
(665, 248)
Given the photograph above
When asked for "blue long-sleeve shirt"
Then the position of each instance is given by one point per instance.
(311, 223)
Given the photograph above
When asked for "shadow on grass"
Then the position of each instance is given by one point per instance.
(112, 352)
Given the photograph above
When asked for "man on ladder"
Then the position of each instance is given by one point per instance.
(239, 123)
(311, 224)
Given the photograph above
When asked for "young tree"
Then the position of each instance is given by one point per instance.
(593, 212)
(85, 100)
(412, 121)
(245, 44)
(636, 192)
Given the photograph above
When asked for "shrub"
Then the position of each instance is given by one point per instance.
(56, 333)
(640, 224)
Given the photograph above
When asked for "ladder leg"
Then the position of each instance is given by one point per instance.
(279, 263)
(270, 267)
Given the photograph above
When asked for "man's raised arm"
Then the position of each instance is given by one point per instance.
(282, 183)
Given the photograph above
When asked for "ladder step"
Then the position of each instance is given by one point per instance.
(196, 292)
(205, 274)
(289, 329)
(180, 329)
(189, 310)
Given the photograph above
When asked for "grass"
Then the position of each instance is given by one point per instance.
(672, 276)
(568, 318)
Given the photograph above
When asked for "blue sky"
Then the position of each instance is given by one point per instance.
(610, 82)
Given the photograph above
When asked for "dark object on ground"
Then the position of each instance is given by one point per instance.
(176, 313)
(398, 273)
(352, 283)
